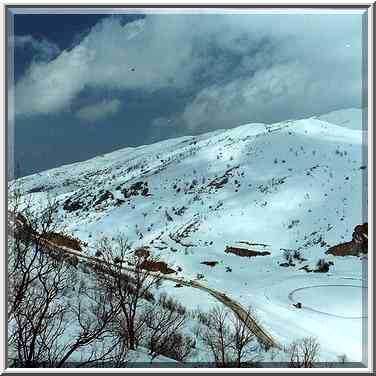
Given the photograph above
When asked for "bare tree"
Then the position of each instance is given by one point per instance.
(342, 358)
(34, 280)
(26, 245)
(243, 342)
(124, 275)
(164, 321)
(182, 347)
(39, 315)
(217, 336)
(44, 314)
(40, 276)
(228, 338)
(304, 353)
(94, 325)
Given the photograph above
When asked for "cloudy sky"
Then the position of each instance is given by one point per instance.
(85, 84)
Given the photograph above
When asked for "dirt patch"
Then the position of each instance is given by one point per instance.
(344, 249)
(357, 246)
(209, 263)
(243, 252)
(64, 240)
(157, 266)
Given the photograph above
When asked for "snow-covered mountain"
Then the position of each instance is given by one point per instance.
(295, 185)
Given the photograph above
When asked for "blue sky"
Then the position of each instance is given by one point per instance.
(86, 84)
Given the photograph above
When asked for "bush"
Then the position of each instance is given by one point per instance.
(287, 255)
(304, 353)
(322, 266)
(297, 255)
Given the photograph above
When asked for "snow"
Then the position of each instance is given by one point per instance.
(322, 299)
(290, 185)
(350, 118)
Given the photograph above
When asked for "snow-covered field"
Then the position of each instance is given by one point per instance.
(294, 185)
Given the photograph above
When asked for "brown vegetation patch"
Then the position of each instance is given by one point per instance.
(156, 266)
(243, 252)
(143, 252)
(357, 246)
(344, 249)
(64, 240)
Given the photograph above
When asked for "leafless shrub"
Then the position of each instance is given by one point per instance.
(287, 255)
(243, 343)
(229, 340)
(26, 246)
(217, 336)
(342, 358)
(130, 288)
(304, 353)
(41, 278)
(164, 322)
(322, 266)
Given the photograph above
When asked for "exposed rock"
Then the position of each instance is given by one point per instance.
(209, 263)
(72, 205)
(138, 188)
(105, 196)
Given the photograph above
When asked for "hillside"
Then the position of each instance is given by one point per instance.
(263, 189)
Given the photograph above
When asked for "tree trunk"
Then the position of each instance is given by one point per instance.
(131, 337)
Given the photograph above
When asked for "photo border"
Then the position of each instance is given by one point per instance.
(368, 85)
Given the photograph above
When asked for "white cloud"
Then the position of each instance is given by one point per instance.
(240, 67)
(307, 69)
(291, 89)
(99, 111)
(135, 56)
(49, 87)
(43, 49)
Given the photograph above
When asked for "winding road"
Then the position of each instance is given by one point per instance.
(263, 336)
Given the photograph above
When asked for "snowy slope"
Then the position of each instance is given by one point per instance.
(290, 185)
(350, 118)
